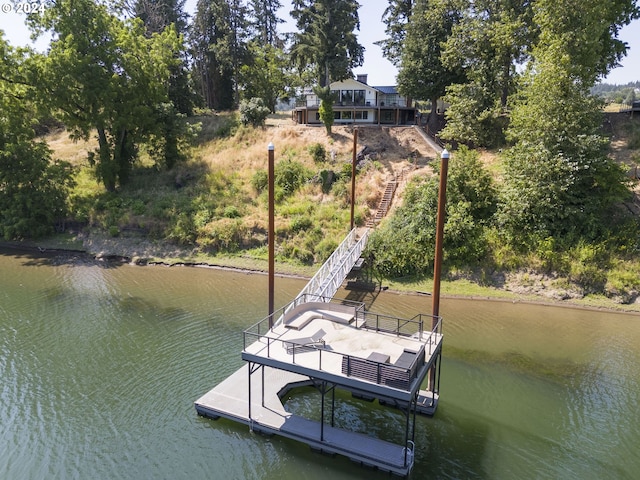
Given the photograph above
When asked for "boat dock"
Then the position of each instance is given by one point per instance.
(332, 344)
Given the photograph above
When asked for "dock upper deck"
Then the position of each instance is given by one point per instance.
(376, 355)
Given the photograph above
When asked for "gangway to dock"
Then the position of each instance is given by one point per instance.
(330, 277)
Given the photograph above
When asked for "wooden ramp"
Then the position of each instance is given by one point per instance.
(230, 400)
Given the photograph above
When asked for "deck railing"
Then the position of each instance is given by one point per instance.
(358, 105)
(328, 279)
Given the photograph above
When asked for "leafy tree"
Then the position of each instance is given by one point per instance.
(265, 75)
(558, 179)
(103, 74)
(326, 41)
(489, 41)
(396, 17)
(157, 15)
(33, 189)
(422, 74)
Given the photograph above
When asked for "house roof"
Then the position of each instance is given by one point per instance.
(388, 90)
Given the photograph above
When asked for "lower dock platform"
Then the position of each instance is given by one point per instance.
(268, 415)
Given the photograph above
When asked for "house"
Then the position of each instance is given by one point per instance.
(356, 102)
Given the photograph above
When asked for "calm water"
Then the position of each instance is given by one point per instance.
(100, 365)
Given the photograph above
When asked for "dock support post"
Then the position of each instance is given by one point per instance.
(437, 263)
(353, 176)
(323, 389)
(333, 406)
(271, 233)
(249, 395)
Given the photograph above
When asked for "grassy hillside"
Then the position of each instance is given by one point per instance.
(216, 202)
(213, 208)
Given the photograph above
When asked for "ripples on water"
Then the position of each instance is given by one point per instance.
(100, 367)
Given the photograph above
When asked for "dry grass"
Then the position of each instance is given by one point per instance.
(214, 187)
(73, 151)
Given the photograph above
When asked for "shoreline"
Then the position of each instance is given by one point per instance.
(132, 252)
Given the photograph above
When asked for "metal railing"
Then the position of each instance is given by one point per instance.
(366, 104)
(379, 323)
(328, 279)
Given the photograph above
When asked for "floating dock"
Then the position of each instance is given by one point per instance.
(333, 345)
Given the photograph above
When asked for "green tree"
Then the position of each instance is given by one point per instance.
(422, 74)
(103, 74)
(558, 180)
(265, 75)
(396, 17)
(212, 39)
(405, 244)
(265, 21)
(33, 189)
(157, 15)
(326, 106)
(326, 41)
(488, 42)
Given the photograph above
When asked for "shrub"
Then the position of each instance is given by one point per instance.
(231, 211)
(253, 112)
(300, 223)
(325, 248)
(318, 152)
(260, 180)
(290, 175)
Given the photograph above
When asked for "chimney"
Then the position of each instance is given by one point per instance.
(362, 78)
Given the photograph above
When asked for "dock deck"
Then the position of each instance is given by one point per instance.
(229, 400)
(334, 345)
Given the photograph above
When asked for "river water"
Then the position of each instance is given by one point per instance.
(100, 365)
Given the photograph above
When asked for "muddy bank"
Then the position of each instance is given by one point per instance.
(521, 286)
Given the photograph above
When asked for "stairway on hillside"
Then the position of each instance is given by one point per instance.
(384, 204)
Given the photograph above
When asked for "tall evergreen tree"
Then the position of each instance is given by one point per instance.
(210, 40)
(265, 21)
(326, 41)
(422, 74)
(159, 14)
(396, 17)
(239, 38)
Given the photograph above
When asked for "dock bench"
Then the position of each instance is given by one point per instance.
(302, 314)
